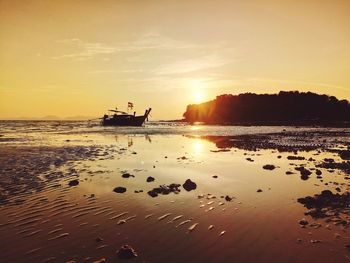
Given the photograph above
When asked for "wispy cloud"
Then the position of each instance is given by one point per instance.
(85, 50)
(192, 65)
(150, 40)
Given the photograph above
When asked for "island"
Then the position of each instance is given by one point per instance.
(284, 108)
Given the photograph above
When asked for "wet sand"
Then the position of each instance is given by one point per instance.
(58, 201)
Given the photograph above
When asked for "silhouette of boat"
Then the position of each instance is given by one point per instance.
(121, 118)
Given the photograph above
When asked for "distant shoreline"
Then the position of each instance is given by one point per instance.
(283, 123)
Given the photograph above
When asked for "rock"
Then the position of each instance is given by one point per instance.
(152, 193)
(189, 185)
(292, 157)
(227, 198)
(305, 173)
(269, 167)
(249, 159)
(149, 179)
(127, 175)
(215, 176)
(289, 173)
(259, 191)
(73, 182)
(126, 252)
(345, 154)
(303, 222)
(164, 190)
(120, 189)
(327, 204)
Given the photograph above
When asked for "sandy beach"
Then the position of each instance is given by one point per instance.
(80, 194)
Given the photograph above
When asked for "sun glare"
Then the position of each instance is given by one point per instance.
(198, 96)
(197, 146)
(197, 89)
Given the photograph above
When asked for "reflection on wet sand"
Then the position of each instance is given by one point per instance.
(202, 204)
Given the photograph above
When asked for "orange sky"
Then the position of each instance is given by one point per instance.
(70, 58)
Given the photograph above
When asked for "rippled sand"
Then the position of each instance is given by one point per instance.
(58, 204)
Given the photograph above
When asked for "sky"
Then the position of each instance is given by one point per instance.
(82, 57)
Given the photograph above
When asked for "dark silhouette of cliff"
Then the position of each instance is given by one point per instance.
(284, 108)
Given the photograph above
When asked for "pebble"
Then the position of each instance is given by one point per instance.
(303, 222)
(126, 252)
(189, 185)
(120, 189)
(269, 167)
(73, 182)
(150, 179)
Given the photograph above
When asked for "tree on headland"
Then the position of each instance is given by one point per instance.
(285, 108)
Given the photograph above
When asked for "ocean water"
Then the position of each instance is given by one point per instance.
(22, 130)
(44, 218)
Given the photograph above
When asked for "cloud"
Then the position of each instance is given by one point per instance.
(192, 65)
(86, 50)
(150, 40)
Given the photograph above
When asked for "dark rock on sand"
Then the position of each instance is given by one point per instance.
(303, 222)
(343, 166)
(127, 175)
(318, 172)
(269, 167)
(73, 182)
(120, 189)
(293, 157)
(126, 252)
(189, 185)
(227, 198)
(152, 193)
(259, 191)
(289, 173)
(327, 205)
(164, 190)
(149, 179)
(215, 176)
(305, 173)
(345, 155)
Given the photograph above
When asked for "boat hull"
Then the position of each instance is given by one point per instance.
(127, 121)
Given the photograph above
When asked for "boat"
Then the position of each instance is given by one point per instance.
(121, 118)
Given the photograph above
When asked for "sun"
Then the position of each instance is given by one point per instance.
(198, 96)
(197, 88)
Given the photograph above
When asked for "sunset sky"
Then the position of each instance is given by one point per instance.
(69, 58)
